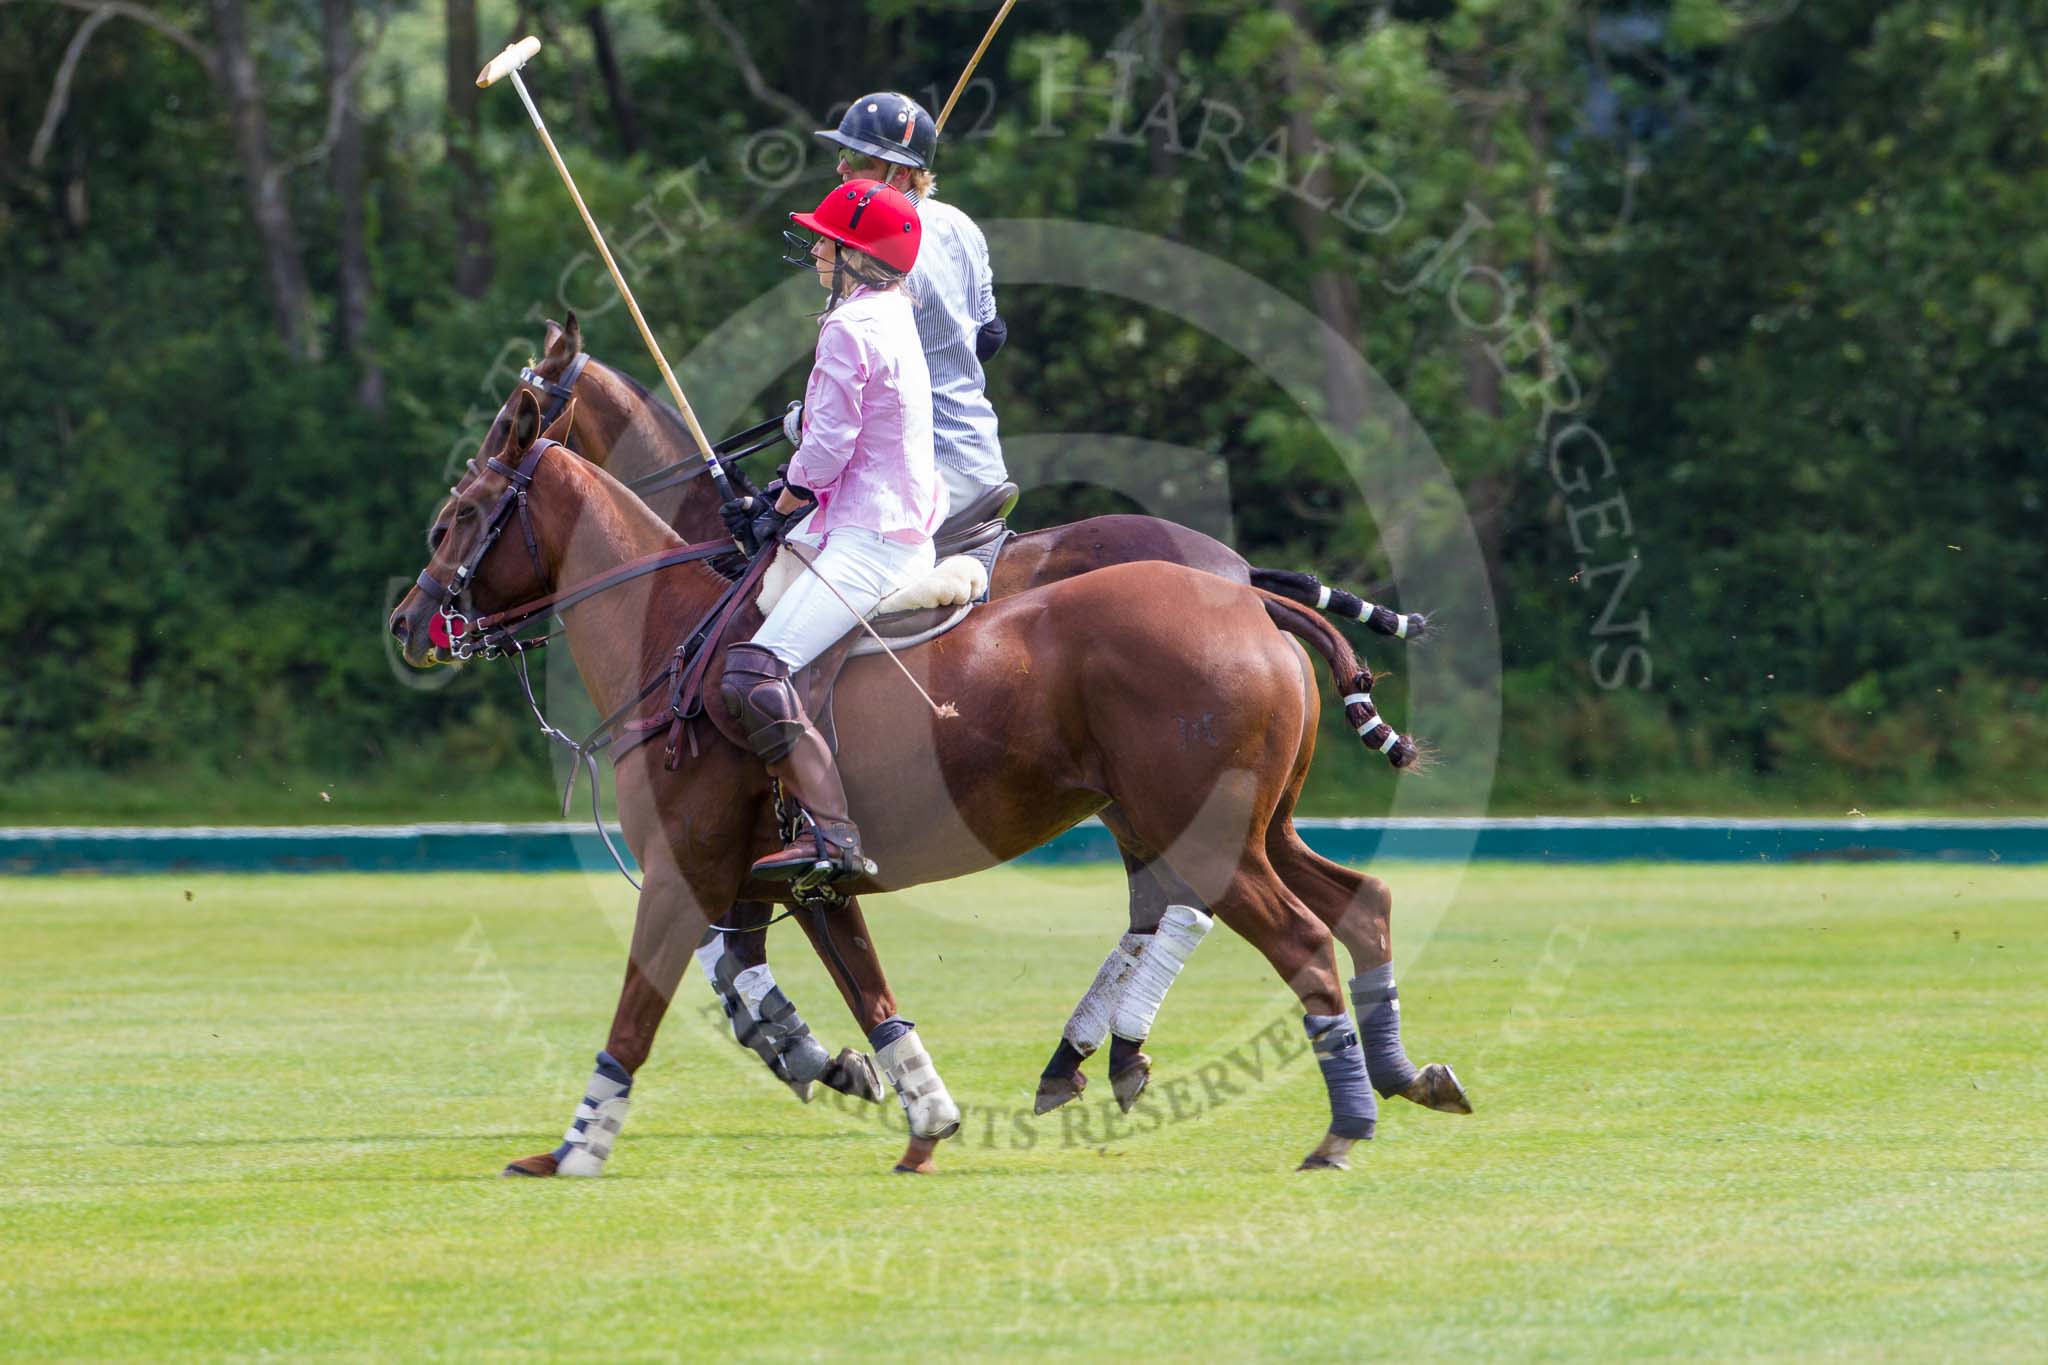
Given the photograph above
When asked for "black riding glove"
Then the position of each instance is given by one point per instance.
(754, 522)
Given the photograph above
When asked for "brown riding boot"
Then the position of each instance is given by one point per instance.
(811, 778)
(758, 692)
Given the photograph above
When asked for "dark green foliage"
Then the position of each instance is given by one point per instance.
(1813, 344)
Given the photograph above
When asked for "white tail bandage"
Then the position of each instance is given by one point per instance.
(1322, 597)
(926, 1103)
(1180, 932)
(1373, 721)
(1089, 1023)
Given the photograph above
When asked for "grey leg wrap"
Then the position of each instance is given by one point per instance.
(770, 1027)
(784, 1032)
(1354, 1110)
(1379, 1027)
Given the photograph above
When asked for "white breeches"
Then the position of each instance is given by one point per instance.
(863, 566)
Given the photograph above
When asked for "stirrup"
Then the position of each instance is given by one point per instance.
(818, 867)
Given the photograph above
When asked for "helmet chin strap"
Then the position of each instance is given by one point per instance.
(838, 277)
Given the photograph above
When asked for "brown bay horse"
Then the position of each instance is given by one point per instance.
(1068, 695)
(617, 424)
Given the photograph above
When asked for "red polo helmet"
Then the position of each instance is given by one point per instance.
(868, 216)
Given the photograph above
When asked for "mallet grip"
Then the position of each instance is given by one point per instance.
(508, 61)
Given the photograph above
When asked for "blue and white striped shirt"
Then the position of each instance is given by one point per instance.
(955, 289)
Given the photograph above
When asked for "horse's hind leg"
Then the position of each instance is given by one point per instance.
(1166, 925)
(763, 1018)
(1358, 909)
(1258, 905)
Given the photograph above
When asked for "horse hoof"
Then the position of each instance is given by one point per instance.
(1054, 1091)
(1130, 1083)
(801, 1089)
(853, 1073)
(1436, 1087)
(544, 1164)
(1329, 1154)
(917, 1157)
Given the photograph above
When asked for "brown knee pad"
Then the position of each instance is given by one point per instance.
(759, 694)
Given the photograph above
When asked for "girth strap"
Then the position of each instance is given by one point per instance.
(686, 671)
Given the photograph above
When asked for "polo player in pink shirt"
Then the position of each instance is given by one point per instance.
(866, 461)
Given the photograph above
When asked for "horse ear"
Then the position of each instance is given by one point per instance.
(563, 339)
(525, 425)
(558, 430)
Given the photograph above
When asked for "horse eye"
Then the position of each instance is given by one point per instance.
(435, 535)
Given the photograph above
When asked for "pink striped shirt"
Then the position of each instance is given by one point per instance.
(867, 447)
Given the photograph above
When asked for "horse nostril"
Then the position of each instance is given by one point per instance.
(398, 627)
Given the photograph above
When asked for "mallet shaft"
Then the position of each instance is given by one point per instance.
(632, 305)
(973, 62)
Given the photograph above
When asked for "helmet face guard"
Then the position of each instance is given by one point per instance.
(797, 250)
(888, 127)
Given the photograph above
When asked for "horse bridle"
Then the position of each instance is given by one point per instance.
(497, 633)
(558, 392)
(448, 597)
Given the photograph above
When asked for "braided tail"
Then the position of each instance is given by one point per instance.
(1352, 674)
(1311, 591)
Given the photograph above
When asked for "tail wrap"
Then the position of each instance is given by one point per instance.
(1346, 667)
(1311, 591)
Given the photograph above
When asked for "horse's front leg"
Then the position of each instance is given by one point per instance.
(763, 1019)
(840, 935)
(667, 923)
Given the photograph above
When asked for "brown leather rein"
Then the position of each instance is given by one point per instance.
(498, 635)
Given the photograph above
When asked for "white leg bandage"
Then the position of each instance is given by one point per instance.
(588, 1143)
(1180, 932)
(926, 1103)
(1089, 1024)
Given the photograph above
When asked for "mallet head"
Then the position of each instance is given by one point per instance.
(508, 61)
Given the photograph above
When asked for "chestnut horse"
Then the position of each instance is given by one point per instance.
(1069, 698)
(617, 424)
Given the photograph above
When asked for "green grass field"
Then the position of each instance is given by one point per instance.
(1721, 1113)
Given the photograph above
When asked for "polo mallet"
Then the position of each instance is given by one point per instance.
(507, 63)
(972, 62)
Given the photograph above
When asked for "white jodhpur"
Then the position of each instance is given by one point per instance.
(926, 1103)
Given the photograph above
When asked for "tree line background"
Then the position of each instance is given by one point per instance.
(1785, 257)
